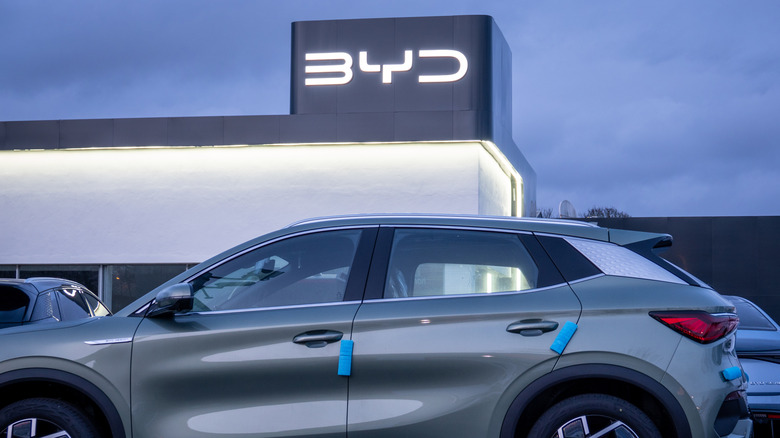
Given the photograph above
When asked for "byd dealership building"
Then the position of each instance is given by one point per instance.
(386, 115)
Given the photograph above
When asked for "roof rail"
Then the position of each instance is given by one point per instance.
(439, 216)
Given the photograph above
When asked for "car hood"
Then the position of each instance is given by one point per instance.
(70, 340)
(45, 326)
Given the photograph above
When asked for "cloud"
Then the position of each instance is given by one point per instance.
(656, 108)
(663, 110)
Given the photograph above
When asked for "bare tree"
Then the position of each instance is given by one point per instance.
(544, 212)
(607, 212)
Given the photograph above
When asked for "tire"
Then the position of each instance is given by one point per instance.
(39, 417)
(589, 415)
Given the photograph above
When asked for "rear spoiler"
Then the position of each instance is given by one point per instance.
(640, 241)
(650, 245)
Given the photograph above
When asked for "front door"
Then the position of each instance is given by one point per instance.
(258, 355)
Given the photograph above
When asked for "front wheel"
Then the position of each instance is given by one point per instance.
(594, 415)
(44, 417)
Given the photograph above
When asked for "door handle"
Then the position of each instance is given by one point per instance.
(318, 338)
(532, 327)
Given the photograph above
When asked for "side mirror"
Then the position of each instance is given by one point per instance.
(173, 299)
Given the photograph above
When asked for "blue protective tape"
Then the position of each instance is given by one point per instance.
(345, 357)
(563, 338)
(731, 373)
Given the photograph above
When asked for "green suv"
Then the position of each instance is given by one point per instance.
(396, 326)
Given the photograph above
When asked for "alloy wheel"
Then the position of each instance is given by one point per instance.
(595, 426)
(35, 428)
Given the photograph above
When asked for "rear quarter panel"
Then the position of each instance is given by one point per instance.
(615, 328)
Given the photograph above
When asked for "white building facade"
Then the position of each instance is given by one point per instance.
(418, 121)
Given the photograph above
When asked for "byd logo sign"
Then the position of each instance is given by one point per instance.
(344, 73)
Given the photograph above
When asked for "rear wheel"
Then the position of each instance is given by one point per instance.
(594, 415)
(44, 417)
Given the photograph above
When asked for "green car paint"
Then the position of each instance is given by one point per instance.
(461, 364)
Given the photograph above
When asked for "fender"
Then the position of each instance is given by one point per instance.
(77, 383)
(603, 371)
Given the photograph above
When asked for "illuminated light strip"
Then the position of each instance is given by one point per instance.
(508, 169)
(331, 143)
(489, 146)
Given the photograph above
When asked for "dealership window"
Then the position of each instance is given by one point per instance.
(84, 274)
(116, 285)
(123, 284)
(7, 271)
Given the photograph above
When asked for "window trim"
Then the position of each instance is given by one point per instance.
(357, 275)
(492, 294)
(266, 309)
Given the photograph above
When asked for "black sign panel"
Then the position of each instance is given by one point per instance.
(392, 65)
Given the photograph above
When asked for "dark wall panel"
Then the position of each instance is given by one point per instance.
(735, 255)
(2, 136)
(195, 131)
(308, 128)
(141, 132)
(357, 127)
(252, 129)
(423, 125)
(86, 133)
(43, 134)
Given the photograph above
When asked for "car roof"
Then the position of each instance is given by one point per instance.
(563, 227)
(40, 284)
(427, 218)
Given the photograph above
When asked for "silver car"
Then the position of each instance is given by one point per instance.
(758, 348)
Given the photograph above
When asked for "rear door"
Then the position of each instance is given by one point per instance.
(455, 323)
(258, 355)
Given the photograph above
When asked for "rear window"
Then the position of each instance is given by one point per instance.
(751, 318)
(615, 260)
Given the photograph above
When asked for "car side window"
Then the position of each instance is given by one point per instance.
(97, 308)
(305, 269)
(13, 305)
(431, 262)
(72, 305)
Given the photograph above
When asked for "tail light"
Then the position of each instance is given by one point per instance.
(700, 326)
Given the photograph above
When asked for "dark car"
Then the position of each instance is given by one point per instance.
(758, 348)
(41, 300)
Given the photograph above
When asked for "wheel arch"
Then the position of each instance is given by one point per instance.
(631, 385)
(33, 382)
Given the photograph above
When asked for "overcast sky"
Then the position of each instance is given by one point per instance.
(657, 108)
